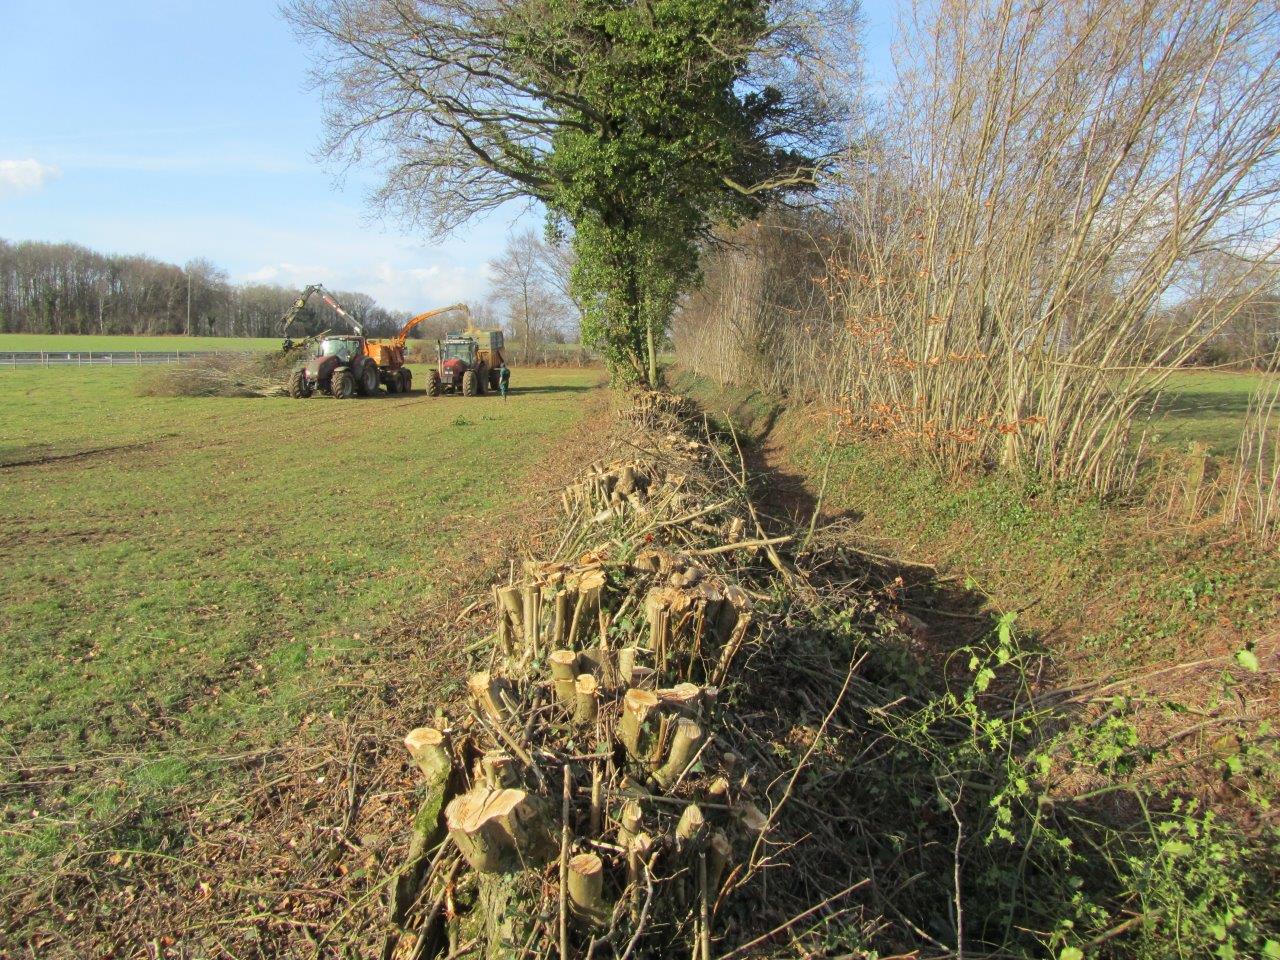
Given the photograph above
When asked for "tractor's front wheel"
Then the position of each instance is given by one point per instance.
(406, 379)
(433, 385)
(469, 384)
(342, 385)
(299, 389)
(369, 379)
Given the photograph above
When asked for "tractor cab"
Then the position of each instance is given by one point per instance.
(459, 348)
(344, 348)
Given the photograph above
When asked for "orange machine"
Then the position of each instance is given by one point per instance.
(389, 354)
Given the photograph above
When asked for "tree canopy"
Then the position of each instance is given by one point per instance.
(639, 124)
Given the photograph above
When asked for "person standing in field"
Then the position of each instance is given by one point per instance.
(504, 378)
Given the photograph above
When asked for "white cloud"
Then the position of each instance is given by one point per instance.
(393, 285)
(23, 176)
(288, 274)
(423, 287)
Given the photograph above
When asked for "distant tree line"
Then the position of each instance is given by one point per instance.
(67, 288)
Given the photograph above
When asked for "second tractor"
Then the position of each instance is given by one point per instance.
(467, 363)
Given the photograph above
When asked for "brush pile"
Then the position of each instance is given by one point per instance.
(261, 374)
(603, 795)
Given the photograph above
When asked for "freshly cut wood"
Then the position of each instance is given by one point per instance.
(564, 671)
(719, 853)
(429, 748)
(498, 830)
(656, 604)
(726, 619)
(684, 744)
(487, 691)
(509, 598)
(651, 561)
(529, 598)
(586, 700)
(586, 888)
(686, 698)
(560, 618)
(499, 771)
(480, 837)
(751, 817)
(630, 823)
(731, 647)
(691, 830)
(638, 729)
(637, 861)
(596, 819)
(506, 641)
(718, 789)
(606, 658)
(590, 585)
(626, 664)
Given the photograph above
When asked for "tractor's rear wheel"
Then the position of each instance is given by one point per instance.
(433, 385)
(406, 379)
(393, 381)
(299, 389)
(482, 378)
(494, 376)
(342, 385)
(469, 383)
(369, 379)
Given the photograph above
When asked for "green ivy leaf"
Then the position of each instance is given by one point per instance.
(1071, 953)
(1248, 660)
(1004, 627)
(1271, 950)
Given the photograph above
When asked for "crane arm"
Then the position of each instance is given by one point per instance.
(403, 335)
(292, 313)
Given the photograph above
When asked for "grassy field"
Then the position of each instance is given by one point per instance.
(55, 343)
(1204, 405)
(180, 572)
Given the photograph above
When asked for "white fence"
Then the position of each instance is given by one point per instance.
(103, 358)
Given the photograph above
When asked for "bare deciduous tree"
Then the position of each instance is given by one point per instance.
(1038, 183)
(65, 288)
(530, 289)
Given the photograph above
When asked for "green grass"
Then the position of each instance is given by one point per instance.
(1206, 406)
(181, 573)
(53, 343)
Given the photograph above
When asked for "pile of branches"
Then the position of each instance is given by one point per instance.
(262, 374)
(609, 791)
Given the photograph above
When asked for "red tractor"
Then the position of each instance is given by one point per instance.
(344, 365)
(467, 363)
(341, 365)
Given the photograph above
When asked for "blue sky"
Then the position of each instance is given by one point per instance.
(180, 129)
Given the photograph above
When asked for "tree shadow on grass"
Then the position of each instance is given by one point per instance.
(552, 388)
(937, 610)
(1193, 404)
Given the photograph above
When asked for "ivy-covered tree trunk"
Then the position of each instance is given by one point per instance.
(640, 126)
